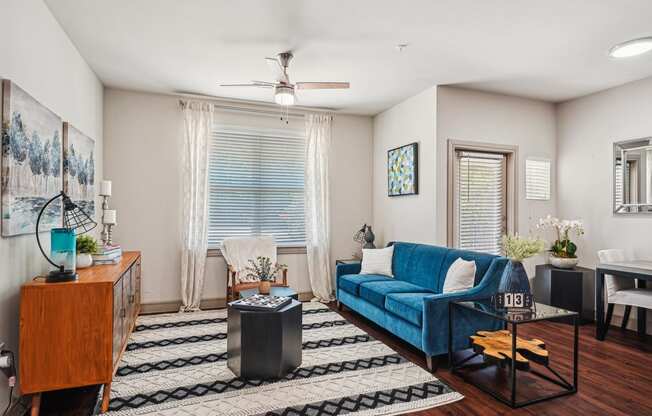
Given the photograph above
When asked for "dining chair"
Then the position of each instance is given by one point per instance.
(622, 291)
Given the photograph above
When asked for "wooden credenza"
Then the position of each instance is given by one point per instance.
(72, 334)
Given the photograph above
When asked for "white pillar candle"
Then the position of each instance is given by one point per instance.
(109, 216)
(105, 188)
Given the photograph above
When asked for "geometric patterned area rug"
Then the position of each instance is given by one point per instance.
(175, 364)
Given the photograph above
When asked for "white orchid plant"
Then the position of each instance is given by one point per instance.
(563, 246)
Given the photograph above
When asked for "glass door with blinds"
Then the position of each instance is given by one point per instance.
(480, 200)
(256, 185)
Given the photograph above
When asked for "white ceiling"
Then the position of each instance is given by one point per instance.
(552, 50)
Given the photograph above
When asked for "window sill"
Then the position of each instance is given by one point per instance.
(216, 252)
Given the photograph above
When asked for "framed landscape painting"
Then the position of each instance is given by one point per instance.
(79, 168)
(403, 170)
(31, 162)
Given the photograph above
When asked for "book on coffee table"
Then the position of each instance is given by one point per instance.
(261, 303)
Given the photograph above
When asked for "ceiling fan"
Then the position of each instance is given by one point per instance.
(283, 88)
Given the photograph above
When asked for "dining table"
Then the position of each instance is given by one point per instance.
(639, 270)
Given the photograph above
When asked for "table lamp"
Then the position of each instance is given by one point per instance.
(63, 240)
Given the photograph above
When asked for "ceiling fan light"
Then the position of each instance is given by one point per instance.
(284, 95)
(631, 48)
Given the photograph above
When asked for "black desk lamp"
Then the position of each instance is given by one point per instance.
(74, 218)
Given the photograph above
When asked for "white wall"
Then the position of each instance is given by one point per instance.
(587, 128)
(142, 158)
(409, 217)
(431, 118)
(476, 116)
(37, 55)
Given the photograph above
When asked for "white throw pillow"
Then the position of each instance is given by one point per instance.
(377, 261)
(460, 276)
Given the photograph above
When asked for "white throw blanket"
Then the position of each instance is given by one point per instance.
(237, 252)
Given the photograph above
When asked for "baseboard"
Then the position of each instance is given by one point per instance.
(211, 303)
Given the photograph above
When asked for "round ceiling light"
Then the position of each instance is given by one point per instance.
(284, 95)
(631, 48)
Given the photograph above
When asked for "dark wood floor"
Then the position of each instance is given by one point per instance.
(615, 376)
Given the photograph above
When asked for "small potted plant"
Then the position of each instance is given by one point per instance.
(263, 270)
(514, 289)
(563, 253)
(86, 246)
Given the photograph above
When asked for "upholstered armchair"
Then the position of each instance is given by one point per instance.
(237, 252)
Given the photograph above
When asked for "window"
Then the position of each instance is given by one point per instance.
(537, 179)
(256, 185)
(481, 195)
(481, 191)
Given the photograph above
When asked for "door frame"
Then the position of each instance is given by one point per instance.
(511, 155)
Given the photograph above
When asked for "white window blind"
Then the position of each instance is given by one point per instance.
(480, 200)
(537, 179)
(256, 185)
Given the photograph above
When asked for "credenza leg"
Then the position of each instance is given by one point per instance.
(106, 396)
(36, 404)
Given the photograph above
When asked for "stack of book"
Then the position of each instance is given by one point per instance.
(108, 255)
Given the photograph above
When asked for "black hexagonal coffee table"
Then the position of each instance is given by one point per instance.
(262, 344)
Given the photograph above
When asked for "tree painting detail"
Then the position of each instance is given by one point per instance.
(79, 168)
(31, 162)
(402, 170)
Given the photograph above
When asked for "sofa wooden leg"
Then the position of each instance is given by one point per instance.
(340, 306)
(432, 362)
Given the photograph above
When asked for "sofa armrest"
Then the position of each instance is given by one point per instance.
(349, 268)
(435, 311)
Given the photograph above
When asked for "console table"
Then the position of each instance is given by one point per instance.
(72, 334)
(641, 270)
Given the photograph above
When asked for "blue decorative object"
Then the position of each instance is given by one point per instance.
(63, 248)
(514, 290)
(411, 305)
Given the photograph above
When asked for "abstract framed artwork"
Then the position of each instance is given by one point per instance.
(403, 170)
(31, 162)
(79, 168)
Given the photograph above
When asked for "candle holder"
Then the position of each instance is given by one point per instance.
(104, 236)
(109, 234)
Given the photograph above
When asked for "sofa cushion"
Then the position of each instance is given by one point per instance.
(482, 262)
(351, 282)
(419, 264)
(408, 306)
(375, 292)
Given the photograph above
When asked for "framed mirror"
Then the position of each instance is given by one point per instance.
(632, 167)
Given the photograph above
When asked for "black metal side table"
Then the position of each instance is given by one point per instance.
(541, 312)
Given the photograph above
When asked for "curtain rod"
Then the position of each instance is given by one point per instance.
(255, 107)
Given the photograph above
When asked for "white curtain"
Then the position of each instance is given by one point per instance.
(318, 142)
(198, 123)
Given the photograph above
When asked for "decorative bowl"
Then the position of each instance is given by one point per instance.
(563, 262)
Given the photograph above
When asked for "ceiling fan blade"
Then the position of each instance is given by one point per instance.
(277, 69)
(248, 85)
(271, 84)
(322, 85)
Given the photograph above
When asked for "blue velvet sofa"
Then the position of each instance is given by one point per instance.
(411, 304)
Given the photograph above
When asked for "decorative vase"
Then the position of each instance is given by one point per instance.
(84, 260)
(563, 262)
(514, 279)
(369, 238)
(264, 286)
(514, 292)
